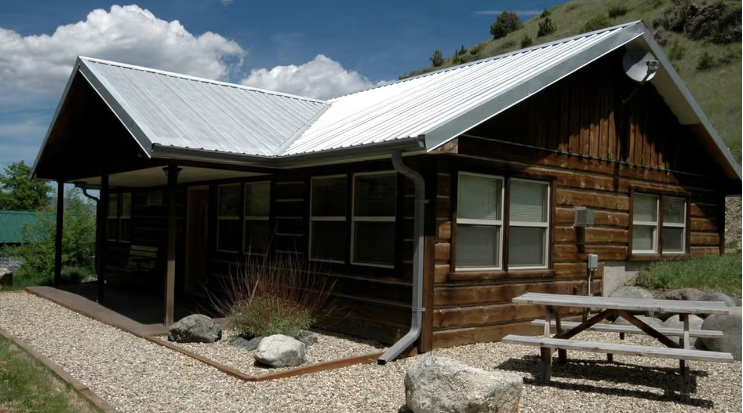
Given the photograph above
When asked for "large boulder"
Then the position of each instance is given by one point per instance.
(196, 328)
(438, 385)
(280, 351)
(695, 323)
(651, 321)
(6, 276)
(632, 292)
(730, 325)
(687, 294)
(307, 337)
(718, 296)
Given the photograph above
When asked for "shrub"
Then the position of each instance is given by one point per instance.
(506, 22)
(437, 59)
(617, 10)
(596, 23)
(545, 13)
(526, 41)
(677, 51)
(546, 27)
(279, 294)
(475, 50)
(718, 273)
(705, 61)
(507, 45)
(729, 56)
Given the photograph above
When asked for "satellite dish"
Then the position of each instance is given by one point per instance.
(639, 65)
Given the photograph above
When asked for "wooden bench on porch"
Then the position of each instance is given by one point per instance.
(139, 263)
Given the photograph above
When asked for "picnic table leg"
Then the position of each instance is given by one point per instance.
(610, 356)
(684, 368)
(545, 364)
(562, 354)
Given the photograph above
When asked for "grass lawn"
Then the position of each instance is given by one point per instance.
(719, 273)
(27, 386)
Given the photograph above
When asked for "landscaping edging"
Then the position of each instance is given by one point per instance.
(136, 329)
(79, 387)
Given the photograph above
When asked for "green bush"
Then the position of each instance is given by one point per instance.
(437, 59)
(596, 23)
(705, 61)
(476, 49)
(718, 273)
(545, 13)
(268, 315)
(546, 27)
(677, 51)
(617, 10)
(506, 22)
(526, 41)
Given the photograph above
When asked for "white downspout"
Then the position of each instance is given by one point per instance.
(417, 303)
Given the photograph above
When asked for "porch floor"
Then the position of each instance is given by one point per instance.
(138, 314)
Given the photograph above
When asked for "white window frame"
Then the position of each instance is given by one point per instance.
(227, 217)
(485, 222)
(125, 217)
(109, 216)
(355, 219)
(655, 224)
(247, 218)
(675, 225)
(314, 219)
(524, 224)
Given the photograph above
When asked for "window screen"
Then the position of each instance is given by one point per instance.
(528, 223)
(645, 223)
(374, 219)
(328, 219)
(479, 221)
(257, 232)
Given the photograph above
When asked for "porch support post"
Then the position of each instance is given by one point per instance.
(172, 173)
(58, 235)
(101, 234)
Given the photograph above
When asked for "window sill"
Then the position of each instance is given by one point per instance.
(656, 257)
(467, 275)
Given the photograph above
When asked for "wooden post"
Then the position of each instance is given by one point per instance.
(101, 234)
(58, 235)
(172, 173)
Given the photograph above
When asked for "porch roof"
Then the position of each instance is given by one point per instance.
(173, 116)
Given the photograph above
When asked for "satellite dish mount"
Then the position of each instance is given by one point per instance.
(640, 66)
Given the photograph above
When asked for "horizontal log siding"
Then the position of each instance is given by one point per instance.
(578, 135)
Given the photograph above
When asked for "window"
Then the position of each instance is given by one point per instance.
(528, 224)
(479, 221)
(645, 223)
(112, 231)
(257, 225)
(674, 225)
(125, 218)
(328, 219)
(373, 221)
(228, 218)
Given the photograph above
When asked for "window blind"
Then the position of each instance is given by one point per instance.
(480, 197)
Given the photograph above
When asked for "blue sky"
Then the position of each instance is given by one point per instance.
(318, 48)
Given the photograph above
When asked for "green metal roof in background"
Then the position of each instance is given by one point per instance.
(11, 223)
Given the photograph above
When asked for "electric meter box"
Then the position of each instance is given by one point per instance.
(593, 261)
(584, 217)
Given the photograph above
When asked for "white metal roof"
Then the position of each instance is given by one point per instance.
(173, 115)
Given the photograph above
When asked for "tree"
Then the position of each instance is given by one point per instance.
(546, 27)
(506, 22)
(526, 41)
(437, 59)
(18, 192)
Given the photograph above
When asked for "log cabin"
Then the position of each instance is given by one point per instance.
(433, 200)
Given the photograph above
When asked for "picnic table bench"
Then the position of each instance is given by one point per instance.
(624, 307)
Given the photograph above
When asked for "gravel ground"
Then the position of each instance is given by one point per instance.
(329, 346)
(138, 376)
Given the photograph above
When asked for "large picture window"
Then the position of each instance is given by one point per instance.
(479, 221)
(228, 218)
(257, 213)
(648, 212)
(328, 219)
(481, 225)
(373, 222)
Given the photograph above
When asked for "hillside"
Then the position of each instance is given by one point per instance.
(716, 85)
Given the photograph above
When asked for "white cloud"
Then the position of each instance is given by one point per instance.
(130, 34)
(320, 78)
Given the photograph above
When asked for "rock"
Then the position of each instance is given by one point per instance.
(6, 277)
(632, 292)
(651, 321)
(307, 337)
(437, 384)
(660, 36)
(91, 279)
(717, 296)
(728, 324)
(243, 342)
(196, 328)
(280, 351)
(688, 294)
(695, 323)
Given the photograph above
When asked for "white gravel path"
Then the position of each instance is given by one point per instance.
(138, 376)
(329, 347)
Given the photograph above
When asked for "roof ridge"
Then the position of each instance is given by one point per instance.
(199, 79)
(499, 56)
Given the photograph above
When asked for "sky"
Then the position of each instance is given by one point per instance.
(321, 48)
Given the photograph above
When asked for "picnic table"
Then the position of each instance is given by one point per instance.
(626, 308)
